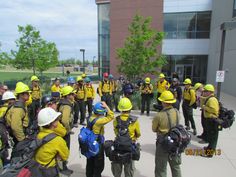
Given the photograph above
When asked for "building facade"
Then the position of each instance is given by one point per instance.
(219, 16)
(192, 34)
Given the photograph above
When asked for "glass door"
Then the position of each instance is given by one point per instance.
(184, 71)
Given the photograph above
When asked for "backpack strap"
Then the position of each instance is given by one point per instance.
(208, 99)
(169, 119)
(123, 124)
(91, 124)
(48, 138)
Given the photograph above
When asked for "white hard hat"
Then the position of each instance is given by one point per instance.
(8, 95)
(47, 116)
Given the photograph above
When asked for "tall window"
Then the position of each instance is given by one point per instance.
(104, 37)
(192, 25)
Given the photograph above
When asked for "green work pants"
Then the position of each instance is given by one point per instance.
(161, 159)
(116, 169)
(212, 133)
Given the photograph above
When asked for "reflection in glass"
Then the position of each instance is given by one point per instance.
(187, 25)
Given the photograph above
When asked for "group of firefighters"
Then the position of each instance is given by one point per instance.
(26, 110)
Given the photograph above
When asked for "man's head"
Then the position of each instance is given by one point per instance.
(167, 98)
(3, 88)
(57, 82)
(48, 101)
(35, 81)
(9, 97)
(161, 77)
(198, 87)
(79, 80)
(105, 76)
(208, 90)
(22, 91)
(48, 118)
(175, 81)
(125, 105)
(68, 93)
(187, 83)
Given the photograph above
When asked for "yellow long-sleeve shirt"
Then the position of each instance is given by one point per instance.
(162, 86)
(98, 127)
(189, 95)
(90, 91)
(51, 150)
(36, 93)
(105, 87)
(134, 128)
(160, 123)
(81, 93)
(17, 119)
(211, 108)
(55, 88)
(66, 114)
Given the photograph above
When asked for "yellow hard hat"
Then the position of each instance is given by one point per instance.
(34, 78)
(67, 90)
(21, 88)
(125, 104)
(209, 87)
(83, 75)
(147, 80)
(197, 85)
(187, 81)
(167, 97)
(79, 78)
(162, 76)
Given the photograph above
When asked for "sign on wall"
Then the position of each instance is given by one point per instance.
(220, 76)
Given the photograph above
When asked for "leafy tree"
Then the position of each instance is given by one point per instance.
(33, 51)
(140, 54)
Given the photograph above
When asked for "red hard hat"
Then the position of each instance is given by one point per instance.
(105, 74)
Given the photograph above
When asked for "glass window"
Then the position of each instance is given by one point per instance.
(194, 67)
(187, 25)
(104, 37)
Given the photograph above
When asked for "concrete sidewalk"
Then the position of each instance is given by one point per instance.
(192, 166)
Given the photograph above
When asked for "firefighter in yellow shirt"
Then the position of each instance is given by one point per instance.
(81, 98)
(56, 86)
(134, 133)
(53, 151)
(146, 90)
(36, 96)
(210, 112)
(17, 117)
(162, 85)
(90, 95)
(161, 126)
(65, 106)
(189, 99)
(95, 165)
(105, 90)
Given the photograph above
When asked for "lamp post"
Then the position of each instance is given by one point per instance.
(83, 50)
(224, 27)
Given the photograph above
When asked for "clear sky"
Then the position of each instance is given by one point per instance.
(71, 24)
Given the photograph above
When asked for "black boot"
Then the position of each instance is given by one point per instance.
(66, 171)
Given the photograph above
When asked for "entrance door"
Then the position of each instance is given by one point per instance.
(184, 71)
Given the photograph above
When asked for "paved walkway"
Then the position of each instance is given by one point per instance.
(223, 165)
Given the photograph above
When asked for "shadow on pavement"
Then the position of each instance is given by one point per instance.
(149, 148)
(78, 170)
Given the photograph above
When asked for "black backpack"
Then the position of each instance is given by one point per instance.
(226, 117)
(177, 139)
(123, 142)
(25, 150)
(5, 136)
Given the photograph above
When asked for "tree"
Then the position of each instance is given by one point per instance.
(140, 55)
(33, 51)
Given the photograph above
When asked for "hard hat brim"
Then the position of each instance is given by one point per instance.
(167, 101)
(127, 109)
